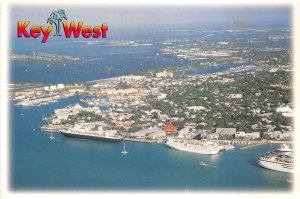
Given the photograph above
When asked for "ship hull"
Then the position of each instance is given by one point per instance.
(193, 150)
(89, 137)
(282, 167)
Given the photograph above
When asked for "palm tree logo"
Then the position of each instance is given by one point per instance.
(56, 17)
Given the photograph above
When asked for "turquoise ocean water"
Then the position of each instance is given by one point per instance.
(38, 163)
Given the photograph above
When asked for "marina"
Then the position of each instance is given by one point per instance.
(94, 157)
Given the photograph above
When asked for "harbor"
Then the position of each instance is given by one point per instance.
(194, 106)
(94, 156)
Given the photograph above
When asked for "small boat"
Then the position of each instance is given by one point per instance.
(124, 152)
(52, 137)
(203, 164)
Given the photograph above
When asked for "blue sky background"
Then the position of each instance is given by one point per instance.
(141, 16)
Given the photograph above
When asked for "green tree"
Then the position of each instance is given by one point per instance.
(56, 17)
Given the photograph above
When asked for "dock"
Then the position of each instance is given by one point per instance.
(246, 147)
(138, 140)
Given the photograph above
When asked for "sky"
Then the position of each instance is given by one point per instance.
(159, 16)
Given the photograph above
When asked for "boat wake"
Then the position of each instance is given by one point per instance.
(203, 164)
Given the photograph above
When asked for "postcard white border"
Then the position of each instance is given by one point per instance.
(4, 112)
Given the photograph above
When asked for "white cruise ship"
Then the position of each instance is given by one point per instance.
(194, 146)
(278, 160)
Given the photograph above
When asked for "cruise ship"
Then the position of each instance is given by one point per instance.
(106, 136)
(278, 160)
(196, 146)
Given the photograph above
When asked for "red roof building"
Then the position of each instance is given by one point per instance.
(170, 129)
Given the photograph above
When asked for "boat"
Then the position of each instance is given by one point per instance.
(203, 164)
(194, 146)
(104, 136)
(52, 137)
(279, 160)
(124, 152)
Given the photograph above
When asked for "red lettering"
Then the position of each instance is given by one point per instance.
(72, 29)
(104, 28)
(87, 31)
(35, 31)
(46, 33)
(97, 32)
(22, 29)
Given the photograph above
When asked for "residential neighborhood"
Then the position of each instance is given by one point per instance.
(220, 106)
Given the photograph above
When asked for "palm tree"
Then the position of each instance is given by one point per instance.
(56, 17)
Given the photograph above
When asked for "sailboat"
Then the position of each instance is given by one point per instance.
(124, 152)
(52, 137)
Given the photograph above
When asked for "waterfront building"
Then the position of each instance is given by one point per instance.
(239, 134)
(170, 129)
(52, 87)
(60, 86)
(152, 133)
(186, 133)
(286, 135)
(272, 134)
(132, 79)
(164, 74)
(212, 136)
(253, 135)
(157, 134)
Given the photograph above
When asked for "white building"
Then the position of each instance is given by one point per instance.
(131, 78)
(212, 136)
(186, 133)
(286, 135)
(151, 133)
(235, 96)
(52, 87)
(157, 134)
(284, 109)
(226, 131)
(196, 108)
(164, 74)
(272, 134)
(190, 125)
(239, 134)
(253, 135)
(60, 86)
(122, 92)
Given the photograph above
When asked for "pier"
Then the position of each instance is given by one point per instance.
(246, 147)
(253, 142)
(139, 140)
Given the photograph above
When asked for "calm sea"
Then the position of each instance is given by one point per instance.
(38, 163)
